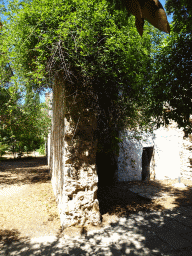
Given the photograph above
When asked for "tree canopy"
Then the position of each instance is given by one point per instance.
(24, 121)
(182, 15)
(172, 82)
(93, 46)
(23, 127)
(92, 42)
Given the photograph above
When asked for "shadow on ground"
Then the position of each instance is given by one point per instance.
(8, 236)
(119, 200)
(142, 233)
(152, 195)
(24, 171)
(143, 226)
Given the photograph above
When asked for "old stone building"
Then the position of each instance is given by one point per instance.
(163, 154)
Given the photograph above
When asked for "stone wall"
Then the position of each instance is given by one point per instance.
(72, 161)
(72, 157)
(131, 154)
(57, 159)
(49, 101)
(129, 160)
(170, 159)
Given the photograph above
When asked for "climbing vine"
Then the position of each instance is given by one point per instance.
(94, 47)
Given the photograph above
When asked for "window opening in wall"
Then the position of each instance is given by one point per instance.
(146, 159)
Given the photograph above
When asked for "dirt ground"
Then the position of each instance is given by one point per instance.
(28, 207)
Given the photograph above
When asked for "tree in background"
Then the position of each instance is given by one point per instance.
(23, 127)
(4, 97)
(37, 121)
(24, 122)
(182, 15)
(173, 69)
(9, 115)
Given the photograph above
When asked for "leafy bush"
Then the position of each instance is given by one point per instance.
(41, 150)
(3, 149)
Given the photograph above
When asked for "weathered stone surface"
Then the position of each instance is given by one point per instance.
(130, 155)
(73, 162)
(81, 204)
(172, 154)
(72, 159)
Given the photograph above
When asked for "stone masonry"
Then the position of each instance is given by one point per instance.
(72, 162)
(171, 157)
(163, 154)
(131, 154)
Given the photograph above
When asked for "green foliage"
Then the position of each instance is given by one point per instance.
(172, 82)
(41, 150)
(92, 45)
(91, 36)
(182, 15)
(22, 127)
(3, 149)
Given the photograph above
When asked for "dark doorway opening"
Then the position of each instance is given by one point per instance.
(146, 159)
(106, 168)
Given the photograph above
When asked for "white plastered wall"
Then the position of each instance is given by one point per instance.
(167, 143)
